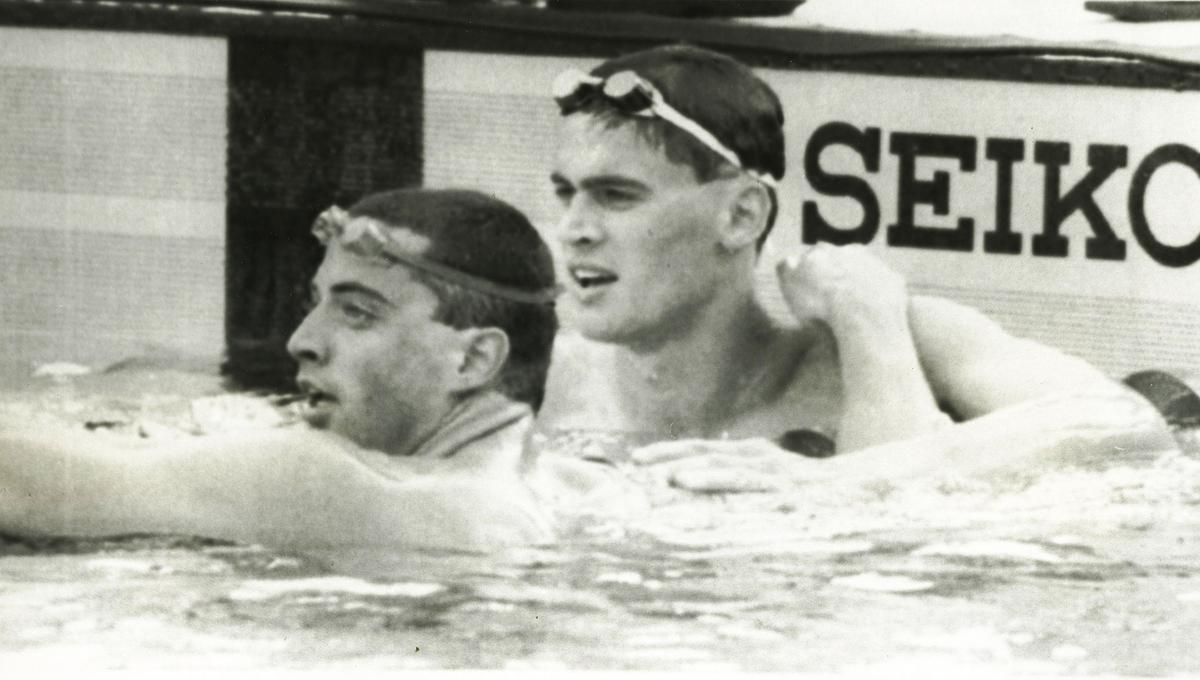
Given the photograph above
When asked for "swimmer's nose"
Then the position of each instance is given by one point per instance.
(306, 344)
(579, 225)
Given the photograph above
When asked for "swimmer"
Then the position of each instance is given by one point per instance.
(666, 171)
(422, 360)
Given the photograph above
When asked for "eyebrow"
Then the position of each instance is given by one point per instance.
(619, 181)
(352, 288)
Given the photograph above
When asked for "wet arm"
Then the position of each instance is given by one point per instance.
(1015, 442)
(283, 488)
(62, 483)
(975, 367)
(72, 483)
(886, 396)
(1048, 432)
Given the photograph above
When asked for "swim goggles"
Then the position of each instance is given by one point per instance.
(636, 96)
(368, 237)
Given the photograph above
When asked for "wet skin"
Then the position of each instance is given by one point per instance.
(382, 378)
(372, 361)
(638, 234)
(674, 342)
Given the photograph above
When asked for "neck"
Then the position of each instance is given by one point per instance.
(689, 383)
(473, 417)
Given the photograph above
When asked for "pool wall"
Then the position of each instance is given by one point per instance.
(112, 183)
(162, 163)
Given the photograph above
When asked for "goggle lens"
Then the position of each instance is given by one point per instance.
(366, 237)
(634, 95)
(571, 82)
(631, 93)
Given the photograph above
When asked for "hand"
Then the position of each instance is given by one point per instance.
(719, 466)
(840, 285)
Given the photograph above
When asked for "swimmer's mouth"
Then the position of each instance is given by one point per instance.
(591, 277)
(310, 404)
(312, 397)
(298, 398)
(318, 398)
(287, 399)
(317, 408)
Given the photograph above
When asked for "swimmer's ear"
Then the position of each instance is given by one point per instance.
(485, 352)
(747, 215)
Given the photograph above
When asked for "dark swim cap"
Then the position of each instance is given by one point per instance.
(476, 241)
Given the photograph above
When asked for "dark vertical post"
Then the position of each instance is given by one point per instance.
(310, 123)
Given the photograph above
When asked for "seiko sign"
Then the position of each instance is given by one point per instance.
(995, 233)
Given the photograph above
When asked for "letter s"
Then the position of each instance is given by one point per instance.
(867, 143)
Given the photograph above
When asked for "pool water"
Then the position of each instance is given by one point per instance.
(1091, 570)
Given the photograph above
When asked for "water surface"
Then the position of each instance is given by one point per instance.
(1090, 570)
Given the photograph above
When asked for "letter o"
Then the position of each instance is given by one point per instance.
(1170, 256)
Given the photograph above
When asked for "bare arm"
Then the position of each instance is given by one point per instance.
(901, 356)
(284, 488)
(886, 396)
(975, 367)
(1050, 432)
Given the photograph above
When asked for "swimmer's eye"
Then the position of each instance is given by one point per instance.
(310, 302)
(356, 315)
(616, 197)
(564, 193)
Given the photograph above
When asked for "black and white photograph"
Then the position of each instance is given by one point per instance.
(727, 337)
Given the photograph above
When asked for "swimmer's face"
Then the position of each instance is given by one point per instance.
(373, 362)
(638, 233)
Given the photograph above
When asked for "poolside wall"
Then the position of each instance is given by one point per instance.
(168, 160)
(112, 196)
(156, 190)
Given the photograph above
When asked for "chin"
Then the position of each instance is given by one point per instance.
(607, 330)
(592, 324)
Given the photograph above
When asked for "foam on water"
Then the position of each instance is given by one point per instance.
(337, 585)
(888, 584)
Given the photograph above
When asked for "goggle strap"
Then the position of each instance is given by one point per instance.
(763, 178)
(674, 117)
(660, 108)
(333, 222)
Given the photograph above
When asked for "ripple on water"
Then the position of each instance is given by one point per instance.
(562, 599)
(1101, 559)
(991, 552)
(876, 582)
(763, 548)
(334, 586)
